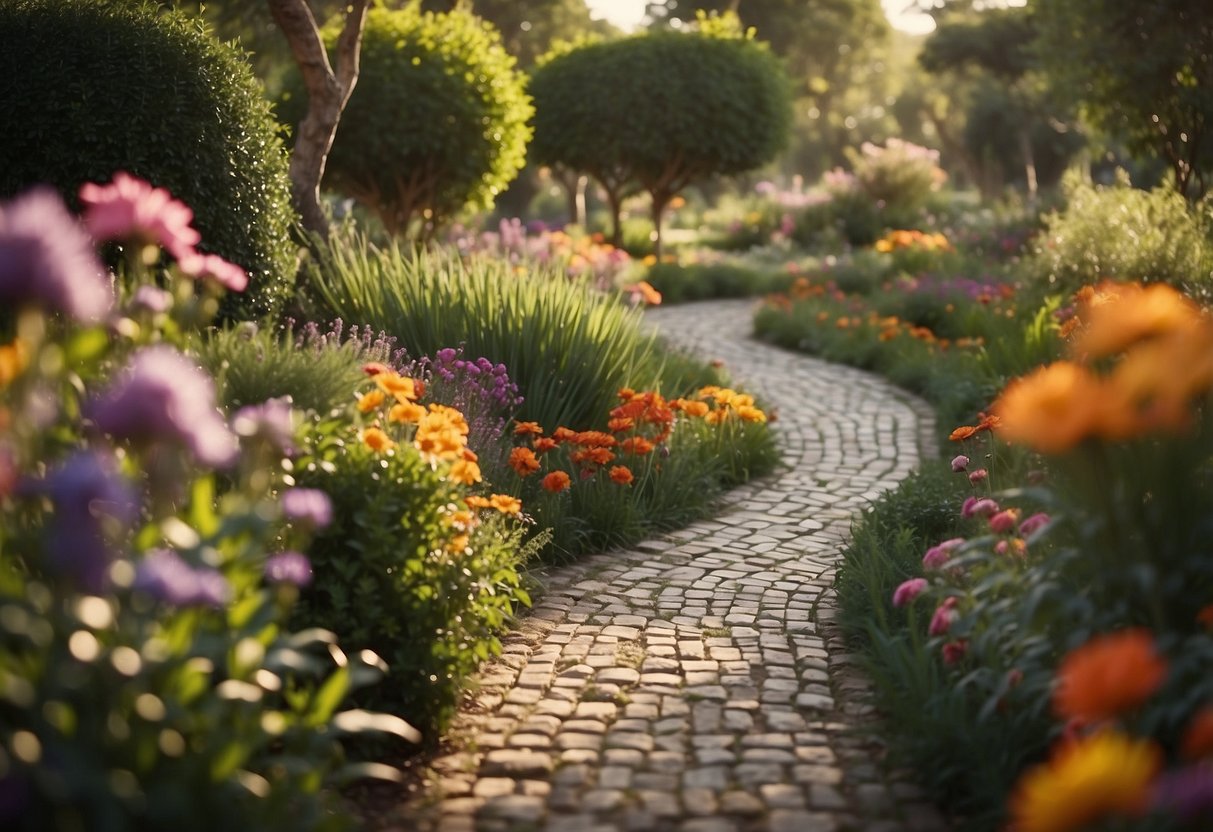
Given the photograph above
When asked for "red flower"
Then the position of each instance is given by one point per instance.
(556, 482)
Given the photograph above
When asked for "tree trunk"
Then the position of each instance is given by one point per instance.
(615, 202)
(660, 201)
(1029, 163)
(327, 94)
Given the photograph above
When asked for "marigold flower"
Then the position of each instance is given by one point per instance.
(626, 393)
(596, 456)
(637, 445)
(1090, 778)
(556, 482)
(477, 501)
(523, 428)
(563, 434)
(505, 503)
(751, 414)
(377, 440)
(370, 400)
(695, 409)
(543, 444)
(644, 292)
(523, 461)
(595, 439)
(402, 388)
(459, 543)
(1108, 675)
(621, 474)
(962, 433)
(621, 424)
(374, 368)
(464, 471)
(1053, 408)
(908, 591)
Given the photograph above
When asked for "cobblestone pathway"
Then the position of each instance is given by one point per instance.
(696, 682)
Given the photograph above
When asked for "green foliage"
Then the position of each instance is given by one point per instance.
(568, 348)
(1160, 102)
(437, 122)
(1122, 233)
(679, 283)
(93, 87)
(898, 178)
(391, 576)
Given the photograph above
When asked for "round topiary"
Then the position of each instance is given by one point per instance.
(91, 87)
(437, 122)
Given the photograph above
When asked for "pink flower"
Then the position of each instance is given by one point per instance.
(1004, 521)
(960, 463)
(131, 209)
(954, 651)
(1034, 524)
(228, 275)
(978, 476)
(944, 615)
(938, 555)
(974, 507)
(908, 591)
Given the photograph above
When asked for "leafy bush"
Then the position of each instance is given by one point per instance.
(92, 87)
(436, 123)
(1123, 233)
(898, 177)
(147, 566)
(678, 283)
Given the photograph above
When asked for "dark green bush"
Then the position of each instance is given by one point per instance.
(437, 122)
(704, 281)
(93, 87)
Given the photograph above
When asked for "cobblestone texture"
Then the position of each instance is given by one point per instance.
(696, 682)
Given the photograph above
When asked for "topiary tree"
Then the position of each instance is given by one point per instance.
(92, 87)
(437, 123)
(659, 111)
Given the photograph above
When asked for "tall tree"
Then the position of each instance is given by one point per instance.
(529, 28)
(328, 91)
(1141, 71)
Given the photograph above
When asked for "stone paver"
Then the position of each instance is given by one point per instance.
(697, 681)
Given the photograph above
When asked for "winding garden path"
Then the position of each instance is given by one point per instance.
(696, 682)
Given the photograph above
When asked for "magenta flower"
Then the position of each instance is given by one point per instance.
(978, 507)
(1004, 521)
(228, 275)
(978, 476)
(166, 577)
(954, 651)
(307, 506)
(289, 568)
(944, 615)
(938, 555)
(47, 260)
(130, 209)
(960, 463)
(92, 503)
(163, 397)
(908, 591)
(1034, 524)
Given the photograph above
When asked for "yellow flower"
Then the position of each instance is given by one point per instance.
(402, 388)
(377, 440)
(1052, 408)
(1107, 773)
(749, 413)
(884, 246)
(408, 413)
(505, 503)
(371, 400)
(13, 359)
(1120, 315)
(464, 471)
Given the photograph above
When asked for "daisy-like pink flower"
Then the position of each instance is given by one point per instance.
(944, 615)
(131, 209)
(228, 275)
(978, 508)
(1034, 524)
(960, 463)
(937, 556)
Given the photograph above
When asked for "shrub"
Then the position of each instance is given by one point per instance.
(678, 283)
(437, 122)
(1124, 233)
(898, 178)
(92, 87)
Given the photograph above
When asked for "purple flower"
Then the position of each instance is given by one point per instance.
(908, 591)
(271, 420)
(288, 568)
(937, 556)
(960, 463)
(307, 506)
(1186, 792)
(91, 501)
(166, 577)
(47, 259)
(162, 396)
(152, 298)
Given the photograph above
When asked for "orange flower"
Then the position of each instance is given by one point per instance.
(563, 434)
(477, 501)
(408, 413)
(636, 445)
(13, 359)
(402, 388)
(556, 482)
(521, 428)
(695, 409)
(544, 444)
(1205, 616)
(715, 417)
(374, 368)
(1122, 314)
(377, 440)
(595, 439)
(1053, 408)
(621, 474)
(621, 424)
(594, 456)
(751, 414)
(626, 393)
(523, 461)
(370, 400)
(464, 471)
(1108, 675)
(962, 433)
(505, 503)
